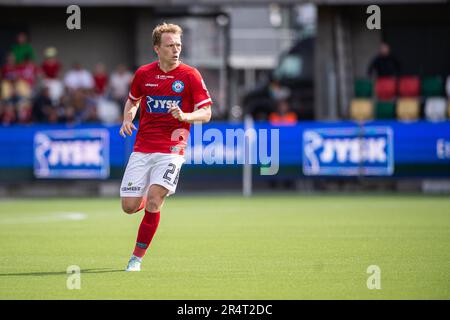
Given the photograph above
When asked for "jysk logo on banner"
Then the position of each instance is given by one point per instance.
(348, 151)
(161, 104)
(72, 154)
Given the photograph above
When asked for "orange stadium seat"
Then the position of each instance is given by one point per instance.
(385, 88)
(409, 86)
(408, 109)
(361, 109)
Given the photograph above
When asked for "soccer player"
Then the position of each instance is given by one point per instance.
(172, 95)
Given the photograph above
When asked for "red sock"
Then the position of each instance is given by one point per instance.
(142, 205)
(147, 230)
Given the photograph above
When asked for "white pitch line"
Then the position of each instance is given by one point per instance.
(59, 216)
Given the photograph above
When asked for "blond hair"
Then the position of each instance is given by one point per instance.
(162, 28)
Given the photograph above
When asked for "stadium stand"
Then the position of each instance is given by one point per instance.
(46, 98)
(407, 98)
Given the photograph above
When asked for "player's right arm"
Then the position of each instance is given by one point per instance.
(129, 112)
(132, 105)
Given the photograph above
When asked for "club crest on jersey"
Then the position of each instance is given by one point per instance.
(178, 86)
(161, 104)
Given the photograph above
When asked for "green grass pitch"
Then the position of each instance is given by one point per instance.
(228, 247)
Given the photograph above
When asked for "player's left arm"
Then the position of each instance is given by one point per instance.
(201, 115)
(200, 98)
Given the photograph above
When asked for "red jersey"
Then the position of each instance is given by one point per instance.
(51, 68)
(158, 130)
(100, 80)
(28, 71)
(9, 72)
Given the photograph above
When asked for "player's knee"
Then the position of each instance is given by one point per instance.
(128, 207)
(154, 203)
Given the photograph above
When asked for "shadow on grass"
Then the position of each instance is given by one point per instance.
(56, 273)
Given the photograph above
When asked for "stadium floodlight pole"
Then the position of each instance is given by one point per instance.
(247, 165)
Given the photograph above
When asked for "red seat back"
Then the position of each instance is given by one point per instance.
(385, 88)
(409, 86)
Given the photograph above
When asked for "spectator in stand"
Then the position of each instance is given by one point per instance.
(10, 103)
(68, 114)
(8, 77)
(28, 71)
(9, 69)
(384, 64)
(78, 78)
(120, 84)
(8, 114)
(283, 116)
(24, 109)
(100, 79)
(262, 101)
(51, 68)
(42, 106)
(51, 65)
(22, 49)
(85, 108)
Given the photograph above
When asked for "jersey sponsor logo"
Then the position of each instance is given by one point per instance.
(151, 84)
(163, 77)
(161, 104)
(178, 86)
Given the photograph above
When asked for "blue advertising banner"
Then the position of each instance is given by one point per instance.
(348, 151)
(311, 149)
(81, 153)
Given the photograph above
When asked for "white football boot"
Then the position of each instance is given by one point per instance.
(134, 264)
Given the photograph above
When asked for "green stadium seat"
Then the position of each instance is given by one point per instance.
(363, 88)
(432, 86)
(385, 110)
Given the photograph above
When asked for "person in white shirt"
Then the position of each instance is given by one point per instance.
(78, 78)
(120, 84)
